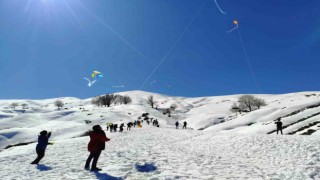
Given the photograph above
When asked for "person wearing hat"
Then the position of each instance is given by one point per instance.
(96, 145)
(43, 139)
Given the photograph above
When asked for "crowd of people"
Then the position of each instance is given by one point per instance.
(97, 141)
(98, 138)
(112, 127)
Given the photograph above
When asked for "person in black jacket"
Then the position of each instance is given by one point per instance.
(111, 127)
(115, 127)
(184, 125)
(43, 139)
(279, 125)
(177, 125)
(129, 125)
(121, 127)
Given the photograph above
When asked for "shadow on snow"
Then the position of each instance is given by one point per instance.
(42, 167)
(105, 176)
(147, 167)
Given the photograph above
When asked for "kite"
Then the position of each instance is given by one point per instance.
(219, 7)
(96, 75)
(235, 22)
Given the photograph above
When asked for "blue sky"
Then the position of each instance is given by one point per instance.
(48, 46)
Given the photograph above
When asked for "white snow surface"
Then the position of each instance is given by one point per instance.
(167, 153)
(217, 144)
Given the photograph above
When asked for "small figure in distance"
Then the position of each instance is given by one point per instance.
(279, 125)
(107, 126)
(177, 125)
(43, 141)
(115, 127)
(121, 127)
(129, 125)
(111, 127)
(184, 125)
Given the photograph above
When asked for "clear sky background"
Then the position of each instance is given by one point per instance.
(48, 46)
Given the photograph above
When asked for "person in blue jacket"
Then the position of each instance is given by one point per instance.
(43, 139)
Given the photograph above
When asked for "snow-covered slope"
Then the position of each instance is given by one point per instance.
(205, 113)
(166, 153)
(218, 144)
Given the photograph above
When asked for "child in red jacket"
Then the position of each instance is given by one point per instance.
(96, 145)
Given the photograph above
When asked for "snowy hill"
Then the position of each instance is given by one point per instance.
(218, 143)
(205, 113)
(167, 153)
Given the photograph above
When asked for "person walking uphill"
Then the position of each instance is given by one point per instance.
(121, 127)
(279, 125)
(43, 139)
(129, 125)
(96, 145)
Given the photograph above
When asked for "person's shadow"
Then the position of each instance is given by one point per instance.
(42, 167)
(147, 167)
(105, 176)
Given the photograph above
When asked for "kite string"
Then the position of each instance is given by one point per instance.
(173, 46)
(248, 62)
(219, 7)
(106, 25)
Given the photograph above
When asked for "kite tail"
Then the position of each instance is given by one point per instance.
(233, 29)
(93, 82)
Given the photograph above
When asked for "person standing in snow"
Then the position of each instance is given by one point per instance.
(129, 125)
(43, 139)
(111, 127)
(177, 125)
(121, 127)
(184, 125)
(96, 145)
(156, 123)
(115, 127)
(139, 124)
(279, 125)
(108, 126)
